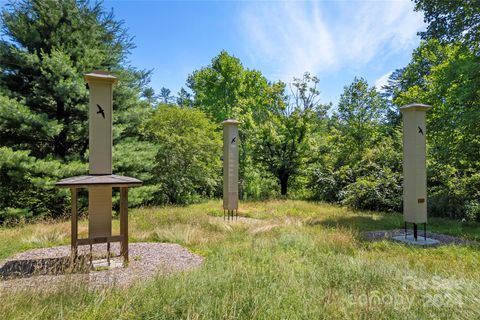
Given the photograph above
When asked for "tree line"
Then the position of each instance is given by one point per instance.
(291, 144)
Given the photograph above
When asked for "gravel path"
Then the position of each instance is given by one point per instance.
(389, 234)
(44, 268)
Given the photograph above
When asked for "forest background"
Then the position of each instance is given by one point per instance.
(291, 144)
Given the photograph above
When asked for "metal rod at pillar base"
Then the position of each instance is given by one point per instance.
(415, 231)
(91, 255)
(233, 214)
(405, 230)
(108, 254)
(425, 231)
(73, 255)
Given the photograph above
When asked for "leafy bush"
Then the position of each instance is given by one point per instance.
(135, 158)
(472, 210)
(187, 162)
(381, 191)
(326, 184)
(453, 193)
(257, 184)
(374, 182)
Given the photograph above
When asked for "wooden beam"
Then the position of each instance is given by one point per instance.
(124, 223)
(74, 223)
(97, 240)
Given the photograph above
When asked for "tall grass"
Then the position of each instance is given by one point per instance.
(299, 260)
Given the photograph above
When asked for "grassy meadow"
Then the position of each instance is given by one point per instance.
(299, 260)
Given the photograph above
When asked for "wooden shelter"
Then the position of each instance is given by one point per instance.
(100, 180)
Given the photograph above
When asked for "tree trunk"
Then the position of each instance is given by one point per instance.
(60, 141)
(283, 185)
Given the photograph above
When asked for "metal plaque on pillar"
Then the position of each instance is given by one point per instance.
(100, 151)
(230, 166)
(414, 164)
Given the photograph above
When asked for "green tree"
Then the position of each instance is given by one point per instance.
(452, 21)
(47, 47)
(225, 89)
(137, 158)
(27, 184)
(50, 45)
(378, 177)
(361, 112)
(358, 162)
(165, 95)
(217, 88)
(187, 164)
(449, 81)
(283, 142)
(447, 76)
(184, 98)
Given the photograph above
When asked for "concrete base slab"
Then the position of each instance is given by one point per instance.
(147, 260)
(421, 241)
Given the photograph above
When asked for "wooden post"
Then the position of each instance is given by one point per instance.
(74, 224)
(124, 223)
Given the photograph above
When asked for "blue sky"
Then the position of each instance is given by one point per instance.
(335, 40)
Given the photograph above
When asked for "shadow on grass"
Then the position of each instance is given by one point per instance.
(363, 223)
(360, 223)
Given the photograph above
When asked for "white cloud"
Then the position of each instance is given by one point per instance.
(289, 36)
(378, 28)
(293, 37)
(382, 81)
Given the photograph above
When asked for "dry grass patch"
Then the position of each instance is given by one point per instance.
(298, 260)
(265, 228)
(183, 234)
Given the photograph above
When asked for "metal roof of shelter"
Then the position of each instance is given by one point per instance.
(111, 180)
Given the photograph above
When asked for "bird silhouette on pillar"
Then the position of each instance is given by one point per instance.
(420, 130)
(100, 111)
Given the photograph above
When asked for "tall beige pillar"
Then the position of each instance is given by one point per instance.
(100, 84)
(230, 166)
(414, 164)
